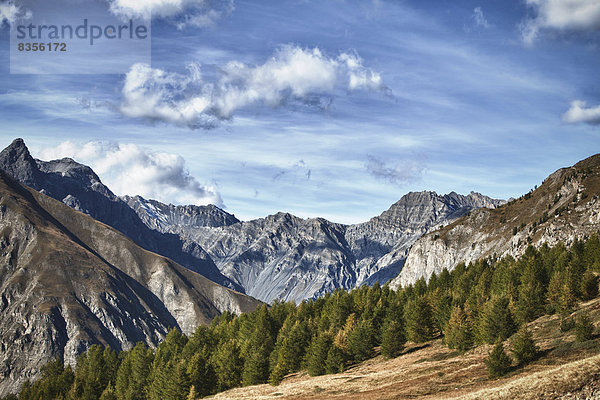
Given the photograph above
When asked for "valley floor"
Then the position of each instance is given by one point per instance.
(565, 369)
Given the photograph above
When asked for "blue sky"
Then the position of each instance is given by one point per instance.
(325, 108)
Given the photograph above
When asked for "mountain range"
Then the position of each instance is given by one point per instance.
(277, 257)
(82, 265)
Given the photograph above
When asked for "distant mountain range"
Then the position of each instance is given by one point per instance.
(277, 257)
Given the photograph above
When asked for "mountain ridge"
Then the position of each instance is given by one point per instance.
(68, 281)
(565, 207)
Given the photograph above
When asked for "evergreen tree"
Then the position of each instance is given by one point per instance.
(584, 329)
(91, 375)
(459, 332)
(201, 374)
(109, 393)
(589, 285)
(498, 363)
(393, 339)
(442, 309)
(228, 365)
(133, 373)
(419, 320)
(495, 321)
(361, 341)
(317, 354)
(523, 346)
(257, 350)
(336, 360)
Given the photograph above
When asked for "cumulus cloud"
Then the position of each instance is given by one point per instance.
(398, 174)
(183, 13)
(479, 19)
(9, 13)
(577, 15)
(130, 170)
(578, 112)
(292, 74)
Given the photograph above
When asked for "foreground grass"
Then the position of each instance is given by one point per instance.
(565, 369)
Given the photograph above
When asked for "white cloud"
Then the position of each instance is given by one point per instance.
(292, 74)
(479, 18)
(197, 13)
(580, 113)
(130, 170)
(580, 15)
(399, 174)
(9, 13)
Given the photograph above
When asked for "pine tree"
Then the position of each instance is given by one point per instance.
(336, 360)
(589, 285)
(317, 354)
(523, 346)
(108, 393)
(228, 365)
(201, 374)
(361, 341)
(419, 320)
(393, 339)
(495, 321)
(459, 332)
(498, 363)
(584, 329)
(133, 373)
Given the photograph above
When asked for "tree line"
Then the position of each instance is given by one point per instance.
(486, 301)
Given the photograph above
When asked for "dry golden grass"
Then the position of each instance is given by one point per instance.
(432, 371)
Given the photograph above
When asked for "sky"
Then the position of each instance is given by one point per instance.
(326, 108)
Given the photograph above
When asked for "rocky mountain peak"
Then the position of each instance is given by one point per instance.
(16, 160)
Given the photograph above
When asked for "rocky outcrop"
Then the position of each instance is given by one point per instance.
(172, 218)
(564, 208)
(68, 281)
(81, 189)
(290, 258)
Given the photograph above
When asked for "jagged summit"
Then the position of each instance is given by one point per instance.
(17, 161)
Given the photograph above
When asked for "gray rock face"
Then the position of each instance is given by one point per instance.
(168, 218)
(289, 258)
(564, 208)
(380, 245)
(80, 188)
(68, 281)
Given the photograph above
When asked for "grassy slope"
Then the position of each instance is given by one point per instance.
(564, 369)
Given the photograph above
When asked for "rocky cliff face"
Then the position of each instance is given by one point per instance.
(171, 218)
(565, 207)
(68, 281)
(289, 258)
(381, 244)
(80, 188)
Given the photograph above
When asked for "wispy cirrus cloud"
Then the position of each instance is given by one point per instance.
(579, 112)
(479, 18)
(292, 74)
(128, 169)
(575, 15)
(399, 173)
(182, 13)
